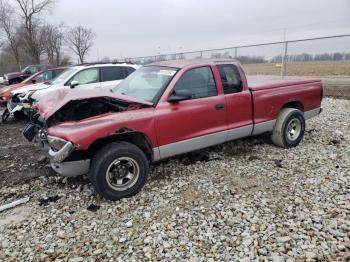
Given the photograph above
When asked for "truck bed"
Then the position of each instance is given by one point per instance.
(271, 93)
(262, 82)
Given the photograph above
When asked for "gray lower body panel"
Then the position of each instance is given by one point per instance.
(200, 142)
(73, 168)
(263, 127)
(312, 113)
(220, 137)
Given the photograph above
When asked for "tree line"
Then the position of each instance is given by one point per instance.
(246, 59)
(26, 37)
(309, 57)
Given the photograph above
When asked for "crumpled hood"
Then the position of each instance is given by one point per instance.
(11, 88)
(26, 89)
(58, 97)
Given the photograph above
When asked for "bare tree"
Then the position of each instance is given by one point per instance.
(52, 41)
(9, 27)
(31, 11)
(80, 41)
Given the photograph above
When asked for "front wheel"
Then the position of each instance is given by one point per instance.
(119, 170)
(289, 128)
(5, 115)
(14, 81)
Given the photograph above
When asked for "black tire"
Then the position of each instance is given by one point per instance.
(5, 115)
(103, 162)
(19, 115)
(289, 128)
(14, 81)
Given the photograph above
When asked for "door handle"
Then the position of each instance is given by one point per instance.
(219, 106)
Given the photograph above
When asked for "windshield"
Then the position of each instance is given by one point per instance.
(25, 69)
(146, 83)
(29, 79)
(63, 76)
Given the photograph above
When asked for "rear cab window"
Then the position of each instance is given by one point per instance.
(199, 82)
(230, 78)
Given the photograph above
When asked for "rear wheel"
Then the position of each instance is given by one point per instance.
(119, 170)
(289, 128)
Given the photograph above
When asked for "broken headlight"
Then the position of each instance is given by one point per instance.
(56, 143)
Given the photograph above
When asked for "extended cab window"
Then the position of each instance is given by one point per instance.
(112, 73)
(231, 79)
(199, 82)
(87, 76)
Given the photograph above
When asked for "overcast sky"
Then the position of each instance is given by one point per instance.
(130, 28)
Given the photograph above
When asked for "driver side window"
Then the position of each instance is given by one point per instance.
(87, 76)
(199, 82)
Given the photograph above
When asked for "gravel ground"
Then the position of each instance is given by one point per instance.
(245, 199)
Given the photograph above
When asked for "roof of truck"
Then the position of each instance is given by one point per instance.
(189, 62)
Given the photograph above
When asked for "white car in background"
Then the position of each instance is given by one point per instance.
(1, 80)
(89, 76)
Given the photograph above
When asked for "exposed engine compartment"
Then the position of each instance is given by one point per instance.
(76, 110)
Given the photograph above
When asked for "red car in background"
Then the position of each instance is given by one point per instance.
(39, 77)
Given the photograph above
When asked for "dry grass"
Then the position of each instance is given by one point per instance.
(314, 68)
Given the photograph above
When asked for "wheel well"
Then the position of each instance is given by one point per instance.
(136, 138)
(294, 104)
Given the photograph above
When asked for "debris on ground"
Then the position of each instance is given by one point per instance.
(47, 200)
(14, 204)
(93, 208)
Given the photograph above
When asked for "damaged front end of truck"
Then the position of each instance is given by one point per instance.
(68, 157)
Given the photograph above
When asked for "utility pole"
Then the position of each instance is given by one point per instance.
(284, 55)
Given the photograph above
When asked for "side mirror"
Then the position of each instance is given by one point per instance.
(180, 95)
(33, 81)
(74, 84)
(28, 72)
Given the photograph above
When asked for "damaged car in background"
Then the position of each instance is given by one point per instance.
(162, 110)
(82, 77)
(32, 81)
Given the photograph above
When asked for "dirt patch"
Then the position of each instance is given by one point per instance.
(313, 68)
(337, 91)
(19, 159)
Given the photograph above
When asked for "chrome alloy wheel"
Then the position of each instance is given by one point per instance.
(293, 129)
(122, 173)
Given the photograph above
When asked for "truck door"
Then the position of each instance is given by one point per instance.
(239, 108)
(194, 123)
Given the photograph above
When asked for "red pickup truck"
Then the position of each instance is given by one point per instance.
(162, 110)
